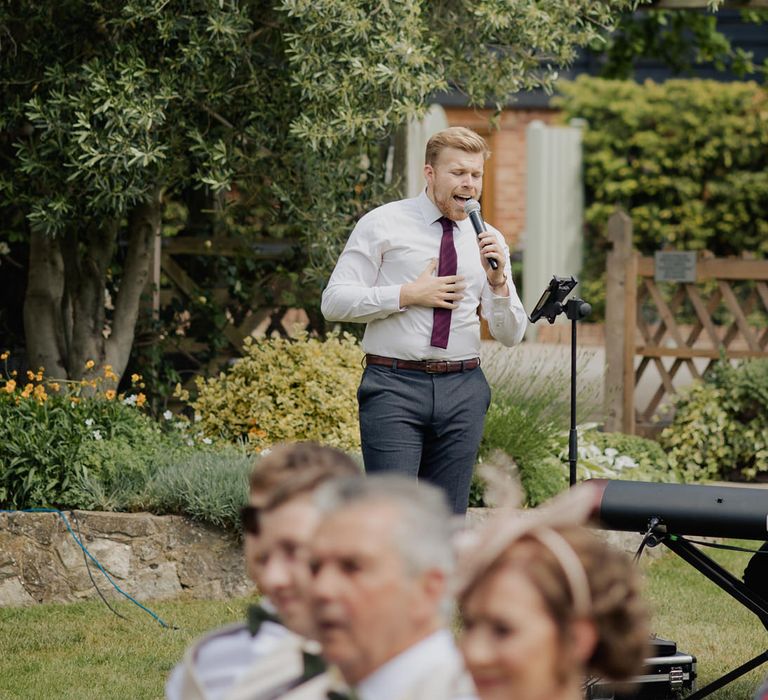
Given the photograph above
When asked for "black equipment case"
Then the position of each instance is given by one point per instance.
(668, 675)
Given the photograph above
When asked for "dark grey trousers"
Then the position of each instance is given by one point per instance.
(425, 425)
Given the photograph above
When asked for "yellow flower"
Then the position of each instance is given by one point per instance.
(135, 378)
(30, 376)
(5, 356)
(39, 376)
(140, 400)
(39, 393)
(55, 386)
(110, 394)
(10, 386)
(90, 364)
(27, 390)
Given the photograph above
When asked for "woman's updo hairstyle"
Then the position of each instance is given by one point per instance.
(614, 606)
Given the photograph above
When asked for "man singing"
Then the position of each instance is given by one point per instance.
(416, 274)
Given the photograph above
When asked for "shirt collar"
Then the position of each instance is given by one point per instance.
(395, 675)
(432, 214)
(429, 210)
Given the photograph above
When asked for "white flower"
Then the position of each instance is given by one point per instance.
(207, 441)
(592, 452)
(264, 452)
(130, 400)
(625, 462)
(97, 435)
(4, 249)
(88, 421)
(167, 415)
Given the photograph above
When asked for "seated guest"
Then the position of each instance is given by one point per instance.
(382, 563)
(545, 603)
(217, 665)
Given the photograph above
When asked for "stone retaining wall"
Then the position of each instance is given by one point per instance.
(149, 557)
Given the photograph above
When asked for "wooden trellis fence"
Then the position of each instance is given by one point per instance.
(262, 319)
(661, 333)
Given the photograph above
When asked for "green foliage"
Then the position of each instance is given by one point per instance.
(720, 428)
(363, 66)
(49, 449)
(687, 160)
(39, 446)
(529, 417)
(528, 421)
(679, 38)
(619, 456)
(117, 471)
(77, 444)
(209, 486)
(531, 439)
(283, 390)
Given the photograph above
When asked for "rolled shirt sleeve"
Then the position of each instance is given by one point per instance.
(506, 316)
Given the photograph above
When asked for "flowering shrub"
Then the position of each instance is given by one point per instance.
(285, 389)
(53, 435)
(620, 456)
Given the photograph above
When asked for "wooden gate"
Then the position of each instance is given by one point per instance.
(661, 334)
(169, 279)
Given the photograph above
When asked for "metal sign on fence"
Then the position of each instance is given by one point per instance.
(675, 266)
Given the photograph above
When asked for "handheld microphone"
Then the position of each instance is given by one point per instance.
(472, 208)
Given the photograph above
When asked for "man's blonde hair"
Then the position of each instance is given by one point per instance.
(455, 137)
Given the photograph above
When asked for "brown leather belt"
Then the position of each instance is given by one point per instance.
(428, 366)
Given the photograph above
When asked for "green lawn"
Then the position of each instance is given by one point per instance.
(705, 621)
(83, 652)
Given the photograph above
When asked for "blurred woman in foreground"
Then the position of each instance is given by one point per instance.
(545, 604)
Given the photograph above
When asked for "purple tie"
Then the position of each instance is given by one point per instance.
(441, 325)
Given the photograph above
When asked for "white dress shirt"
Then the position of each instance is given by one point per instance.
(434, 659)
(392, 245)
(221, 659)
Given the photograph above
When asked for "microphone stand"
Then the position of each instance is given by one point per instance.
(550, 306)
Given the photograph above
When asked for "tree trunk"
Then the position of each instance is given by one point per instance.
(143, 225)
(87, 255)
(43, 322)
(64, 309)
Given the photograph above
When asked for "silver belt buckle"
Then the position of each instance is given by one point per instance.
(433, 366)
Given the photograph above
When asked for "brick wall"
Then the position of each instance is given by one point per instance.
(504, 182)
